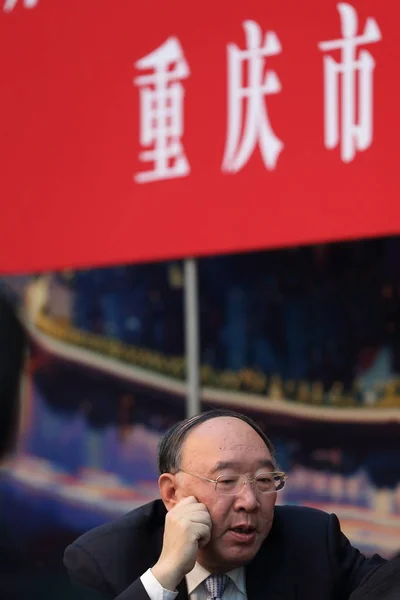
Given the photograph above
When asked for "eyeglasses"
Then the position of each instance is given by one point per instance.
(232, 485)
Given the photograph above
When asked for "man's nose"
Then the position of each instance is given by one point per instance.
(248, 499)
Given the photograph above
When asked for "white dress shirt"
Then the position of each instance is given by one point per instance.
(235, 590)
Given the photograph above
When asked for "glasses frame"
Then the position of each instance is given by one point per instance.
(247, 480)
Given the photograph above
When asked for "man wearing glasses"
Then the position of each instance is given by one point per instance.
(216, 533)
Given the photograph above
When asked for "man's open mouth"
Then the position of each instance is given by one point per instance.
(248, 529)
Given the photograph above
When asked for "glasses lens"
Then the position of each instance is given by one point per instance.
(270, 482)
(230, 484)
(266, 483)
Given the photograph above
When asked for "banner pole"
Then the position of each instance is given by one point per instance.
(192, 339)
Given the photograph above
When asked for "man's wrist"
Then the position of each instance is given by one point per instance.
(167, 576)
(154, 589)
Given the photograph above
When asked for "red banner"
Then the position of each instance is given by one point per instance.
(182, 128)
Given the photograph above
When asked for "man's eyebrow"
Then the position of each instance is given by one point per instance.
(222, 465)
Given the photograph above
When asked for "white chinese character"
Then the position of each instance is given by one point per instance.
(356, 80)
(248, 122)
(9, 5)
(161, 112)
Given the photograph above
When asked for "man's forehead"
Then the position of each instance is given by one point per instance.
(236, 465)
(223, 426)
(222, 431)
(226, 440)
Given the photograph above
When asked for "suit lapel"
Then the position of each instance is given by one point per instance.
(266, 576)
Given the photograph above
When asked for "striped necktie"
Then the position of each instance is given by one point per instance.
(216, 585)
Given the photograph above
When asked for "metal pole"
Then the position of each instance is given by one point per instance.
(192, 340)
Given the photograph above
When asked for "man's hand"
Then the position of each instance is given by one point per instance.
(187, 528)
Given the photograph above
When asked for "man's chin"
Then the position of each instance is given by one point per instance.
(226, 559)
(237, 555)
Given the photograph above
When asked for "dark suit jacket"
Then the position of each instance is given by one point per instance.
(305, 557)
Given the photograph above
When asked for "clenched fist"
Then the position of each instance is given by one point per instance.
(187, 528)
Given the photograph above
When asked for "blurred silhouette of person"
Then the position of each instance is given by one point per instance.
(12, 351)
(24, 572)
(382, 584)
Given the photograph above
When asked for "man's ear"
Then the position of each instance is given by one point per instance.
(168, 490)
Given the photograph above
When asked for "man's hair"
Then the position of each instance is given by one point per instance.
(170, 447)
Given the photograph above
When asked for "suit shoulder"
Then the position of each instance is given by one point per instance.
(144, 518)
(301, 518)
(114, 554)
(305, 512)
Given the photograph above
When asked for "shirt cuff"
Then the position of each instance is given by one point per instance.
(154, 588)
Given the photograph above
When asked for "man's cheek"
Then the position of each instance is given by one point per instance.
(218, 528)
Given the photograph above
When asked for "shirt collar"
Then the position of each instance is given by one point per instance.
(199, 574)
